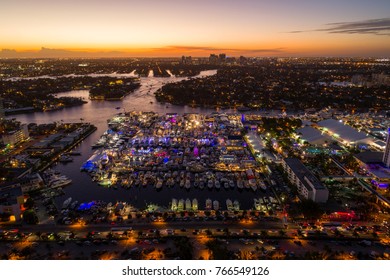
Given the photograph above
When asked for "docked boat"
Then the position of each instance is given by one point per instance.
(195, 204)
(231, 184)
(217, 184)
(65, 159)
(104, 160)
(159, 183)
(236, 205)
(74, 204)
(215, 205)
(174, 204)
(257, 204)
(252, 184)
(188, 204)
(180, 206)
(262, 185)
(105, 182)
(61, 183)
(187, 184)
(240, 185)
(66, 203)
(210, 184)
(229, 204)
(196, 184)
(208, 204)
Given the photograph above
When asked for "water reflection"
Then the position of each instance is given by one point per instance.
(97, 113)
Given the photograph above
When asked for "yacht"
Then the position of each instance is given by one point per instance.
(61, 183)
(252, 184)
(257, 204)
(174, 204)
(104, 159)
(262, 185)
(195, 204)
(105, 182)
(229, 204)
(208, 204)
(187, 184)
(188, 204)
(216, 205)
(74, 204)
(180, 206)
(159, 183)
(65, 159)
(66, 203)
(236, 205)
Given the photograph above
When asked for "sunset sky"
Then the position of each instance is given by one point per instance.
(197, 28)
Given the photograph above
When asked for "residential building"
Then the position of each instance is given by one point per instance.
(16, 136)
(308, 185)
(11, 201)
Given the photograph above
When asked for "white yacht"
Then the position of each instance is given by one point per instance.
(188, 204)
(180, 206)
(229, 204)
(174, 204)
(195, 204)
(208, 204)
(236, 205)
(66, 203)
(216, 205)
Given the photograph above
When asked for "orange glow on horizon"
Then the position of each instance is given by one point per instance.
(124, 28)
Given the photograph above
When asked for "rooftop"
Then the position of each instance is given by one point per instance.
(313, 135)
(343, 131)
(303, 173)
(370, 157)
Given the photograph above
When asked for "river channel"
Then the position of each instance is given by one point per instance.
(83, 189)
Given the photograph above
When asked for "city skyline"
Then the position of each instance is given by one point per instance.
(174, 28)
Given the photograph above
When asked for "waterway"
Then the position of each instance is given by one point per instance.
(84, 189)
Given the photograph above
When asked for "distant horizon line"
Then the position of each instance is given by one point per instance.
(179, 51)
(180, 56)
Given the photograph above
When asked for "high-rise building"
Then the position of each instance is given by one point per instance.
(213, 59)
(222, 57)
(386, 156)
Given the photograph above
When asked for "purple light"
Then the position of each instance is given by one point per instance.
(196, 151)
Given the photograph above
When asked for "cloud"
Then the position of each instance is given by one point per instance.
(379, 26)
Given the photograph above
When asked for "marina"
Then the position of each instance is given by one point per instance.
(144, 152)
(100, 186)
